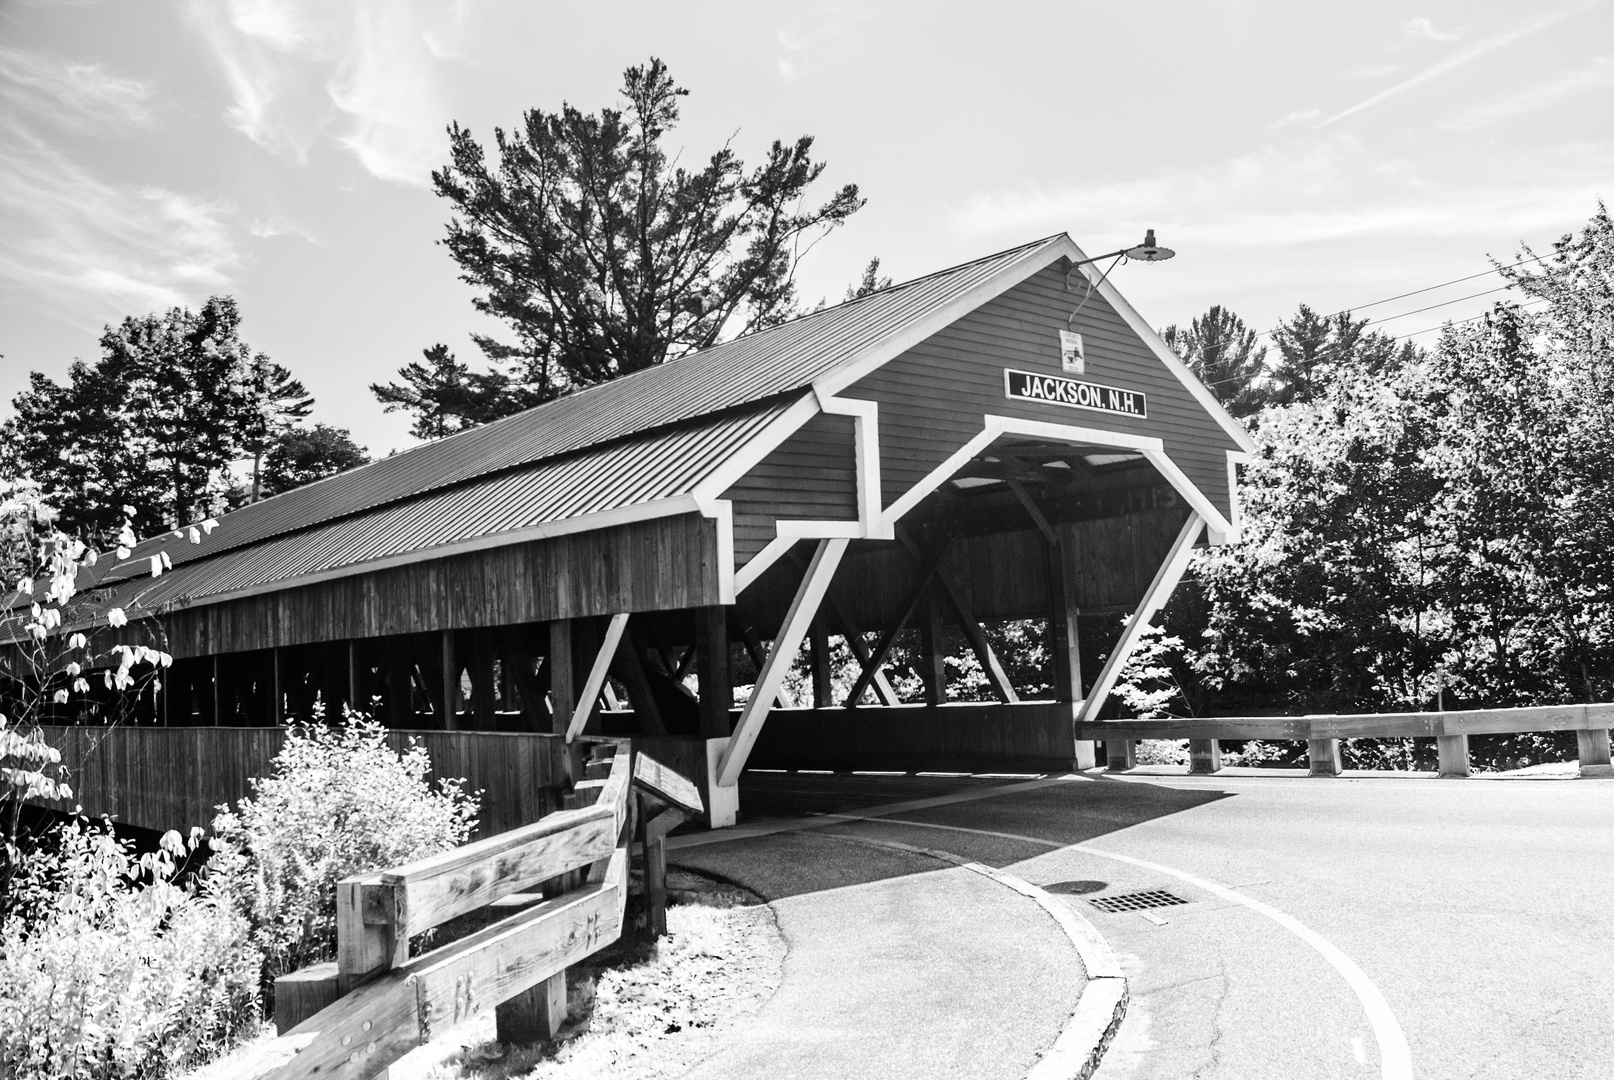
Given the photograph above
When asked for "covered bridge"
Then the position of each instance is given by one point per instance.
(932, 457)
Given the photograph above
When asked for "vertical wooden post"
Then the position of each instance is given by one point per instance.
(364, 949)
(1204, 756)
(1067, 657)
(933, 661)
(1594, 752)
(278, 680)
(655, 868)
(712, 671)
(1121, 754)
(354, 683)
(480, 665)
(562, 676)
(218, 714)
(535, 1014)
(1325, 759)
(451, 682)
(818, 637)
(1453, 751)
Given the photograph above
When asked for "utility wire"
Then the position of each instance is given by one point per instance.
(1427, 288)
(1431, 307)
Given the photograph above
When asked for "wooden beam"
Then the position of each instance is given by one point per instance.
(353, 673)
(1037, 519)
(754, 649)
(562, 687)
(278, 680)
(1159, 591)
(483, 689)
(968, 626)
(451, 682)
(802, 609)
(818, 639)
(520, 663)
(596, 676)
(889, 637)
(440, 887)
(933, 661)
(884, 692)
(1063, 624)
(629, 666)
(670, 787)
(712, 672)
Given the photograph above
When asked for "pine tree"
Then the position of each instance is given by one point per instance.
(603, 255)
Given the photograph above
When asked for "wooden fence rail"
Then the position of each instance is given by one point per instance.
(1323, 731)
(379, 1003)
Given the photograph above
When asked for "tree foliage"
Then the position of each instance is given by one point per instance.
(152, 424)
(1427, 529)
(302, 455)
(602, 254)
(1226, 356)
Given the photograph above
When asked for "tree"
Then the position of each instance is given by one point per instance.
(303, 455)
(870, 282)
(446, 396)
(604, 256)
(173, 400)
(1312, 348)
(1224, 354)
(273, 402)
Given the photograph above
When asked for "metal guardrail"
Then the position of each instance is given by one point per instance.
(1322, 732)
(376, 1003)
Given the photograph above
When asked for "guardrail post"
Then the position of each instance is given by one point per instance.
(1594, 752)
(1121, 754)
(1453, 751)
(1204, 756)
(1086, 754)
(1325, 759)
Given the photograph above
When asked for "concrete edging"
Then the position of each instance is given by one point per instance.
(1080, 1045)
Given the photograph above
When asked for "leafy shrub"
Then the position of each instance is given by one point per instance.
(119, 971)
(339, 801)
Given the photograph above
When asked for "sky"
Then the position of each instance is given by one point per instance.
(155, 153)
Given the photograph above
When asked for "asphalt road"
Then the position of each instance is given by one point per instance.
(1351, 927)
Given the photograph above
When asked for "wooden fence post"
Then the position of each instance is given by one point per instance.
(1204, 756)
(1325, 759)
(1594, 752)
(1453, 750)
(1122, 754)
(369, 937)
(534, 1015)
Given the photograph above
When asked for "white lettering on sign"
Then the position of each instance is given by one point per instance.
(1057, 390)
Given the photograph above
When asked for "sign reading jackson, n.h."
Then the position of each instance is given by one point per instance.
(1057, 390)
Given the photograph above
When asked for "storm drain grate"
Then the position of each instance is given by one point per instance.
(1137, 901)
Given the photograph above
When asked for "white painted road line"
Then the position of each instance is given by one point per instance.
(1395, 1057)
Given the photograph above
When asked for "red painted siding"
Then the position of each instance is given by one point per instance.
(933, 398)
(812, 475)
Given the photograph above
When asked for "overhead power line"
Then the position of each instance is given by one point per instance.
(1419, 292)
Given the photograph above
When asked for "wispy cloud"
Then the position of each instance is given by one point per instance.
(1461, 58)
(1283, 197)
(365, 75)
(89, 248)
(73, 94)
(1299, 116)
(819, 41)
(1599, 73)
(1422, 26)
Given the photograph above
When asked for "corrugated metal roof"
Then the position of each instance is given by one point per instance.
(748, 370)
(630, 473)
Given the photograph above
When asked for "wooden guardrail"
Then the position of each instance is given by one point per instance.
(376, 1002)
(1322, 732)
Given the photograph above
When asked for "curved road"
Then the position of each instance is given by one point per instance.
(1355, 927)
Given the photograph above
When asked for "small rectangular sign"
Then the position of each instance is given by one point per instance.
(1057, 390)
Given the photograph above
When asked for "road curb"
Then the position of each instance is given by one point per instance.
(1080, 1046)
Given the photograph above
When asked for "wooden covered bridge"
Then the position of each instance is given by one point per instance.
(934, 457)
